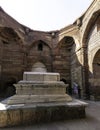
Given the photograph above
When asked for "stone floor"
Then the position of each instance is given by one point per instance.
(91, 122)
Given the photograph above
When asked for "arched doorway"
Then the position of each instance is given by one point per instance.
(95, 81)
(64, 61)
(10, 89)
(96, 65)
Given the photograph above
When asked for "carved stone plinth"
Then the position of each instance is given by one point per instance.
(40, 87)
(40, 97)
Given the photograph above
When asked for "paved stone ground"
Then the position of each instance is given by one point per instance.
(91, 122)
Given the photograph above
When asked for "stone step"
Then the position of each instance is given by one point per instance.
(30, 99)
(40, 89)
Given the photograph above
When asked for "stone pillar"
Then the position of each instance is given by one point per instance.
(85, 70)
(0, 71)
(1, 57)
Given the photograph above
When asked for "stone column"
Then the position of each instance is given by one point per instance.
(85, 71)
(1, 57)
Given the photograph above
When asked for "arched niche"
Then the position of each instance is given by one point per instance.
(95, 80)
(96, 65)
(66, 41)
(62, 63)
(94, 18)
(39, 45)
(40, 51)
(39, 67)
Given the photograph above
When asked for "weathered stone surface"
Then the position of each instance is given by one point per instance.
(30, 99)
(14, 117)
(3, 118)
(44, 112)
(31, 90)
(41, 76)
(39, 89)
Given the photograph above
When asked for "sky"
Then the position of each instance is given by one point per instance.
(45, 15)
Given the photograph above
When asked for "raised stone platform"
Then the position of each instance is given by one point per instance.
(40, 97)
(20, 114)
(39, 87)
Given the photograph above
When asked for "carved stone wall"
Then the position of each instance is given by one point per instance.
(93, 46)
(12, 60)
(93, 60)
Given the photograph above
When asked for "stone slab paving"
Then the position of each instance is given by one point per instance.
(91, 122)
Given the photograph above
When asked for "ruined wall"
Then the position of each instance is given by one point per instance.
(39, 51)
(11, 66)
(21, 48)
(12, 60)
(61, 63)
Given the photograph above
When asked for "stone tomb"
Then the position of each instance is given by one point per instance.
(40, 97)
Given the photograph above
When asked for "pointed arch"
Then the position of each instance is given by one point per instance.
(96, 64)
(66, 40)
(37, 42)
(10, 36)
(89, 26)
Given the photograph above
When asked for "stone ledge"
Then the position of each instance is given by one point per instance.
(12, 115)
(28, 99)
